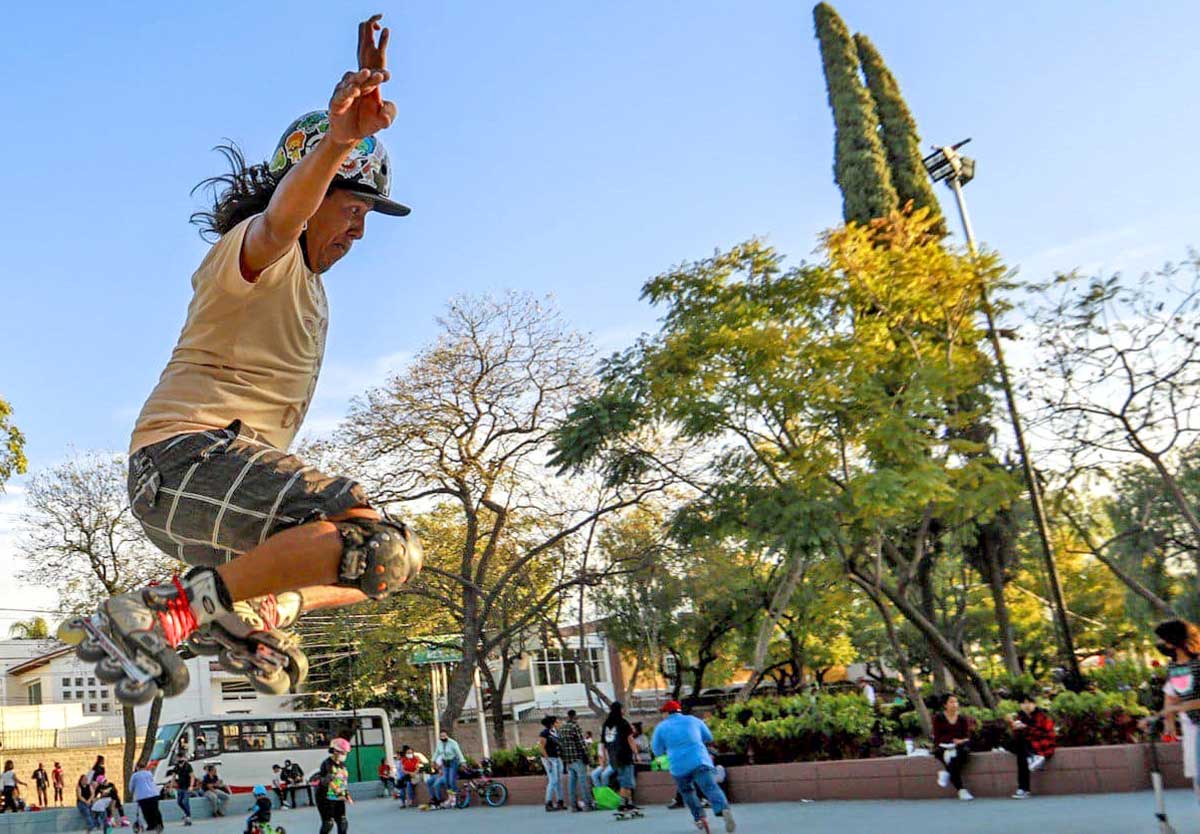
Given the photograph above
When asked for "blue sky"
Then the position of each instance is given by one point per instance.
(565, 148)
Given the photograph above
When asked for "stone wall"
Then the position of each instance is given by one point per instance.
(75, 762)
(1073, 770)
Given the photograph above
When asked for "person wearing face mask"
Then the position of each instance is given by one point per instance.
(1179, 640)
(449, 757)
(333, 788)
(408, 766)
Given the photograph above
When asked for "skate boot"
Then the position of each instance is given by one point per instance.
(133, 638)
(252, 635)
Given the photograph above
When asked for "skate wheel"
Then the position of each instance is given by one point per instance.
(202, 644)
(274, 683)
(132, 692)
(109, 670)
(234, 663)
(90, 650)
(72, 632)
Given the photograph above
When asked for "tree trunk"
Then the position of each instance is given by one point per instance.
(631, 684)
(910, 683)
(151, 731)
(937, 641)
(779, 603)
(937, 664)
(497, 690)
(1003, 622)
(129, 752)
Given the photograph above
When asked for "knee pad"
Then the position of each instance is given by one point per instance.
(377, 556)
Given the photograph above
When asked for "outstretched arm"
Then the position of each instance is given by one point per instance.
(356, 110)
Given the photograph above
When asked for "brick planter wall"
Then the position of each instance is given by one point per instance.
(1073, 770)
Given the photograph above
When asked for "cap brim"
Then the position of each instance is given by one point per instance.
(385, 206)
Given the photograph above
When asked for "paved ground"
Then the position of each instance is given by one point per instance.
(1097, 814)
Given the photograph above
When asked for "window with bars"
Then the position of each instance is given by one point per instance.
(555, 667)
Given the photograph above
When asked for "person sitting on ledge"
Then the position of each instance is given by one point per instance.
(1033, 741)
(951, 737)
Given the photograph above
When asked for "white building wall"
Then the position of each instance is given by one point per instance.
(12, 653)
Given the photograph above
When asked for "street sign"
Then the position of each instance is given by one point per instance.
(436, 654)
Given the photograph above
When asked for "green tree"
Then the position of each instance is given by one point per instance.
(860, 165)
(900, 137)
(832, 397)
(12, 446)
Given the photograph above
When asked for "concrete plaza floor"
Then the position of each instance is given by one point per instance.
(1128, 813)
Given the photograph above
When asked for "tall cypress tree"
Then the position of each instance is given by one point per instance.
(860, 165)
(900, 138)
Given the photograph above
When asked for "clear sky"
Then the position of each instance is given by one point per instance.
(565, 148)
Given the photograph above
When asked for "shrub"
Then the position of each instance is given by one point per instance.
(801, 728)
(516, 761)
(1120, 677)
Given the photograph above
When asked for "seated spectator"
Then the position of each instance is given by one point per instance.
(951, 737)
(387, 778)
(116, 811)
(604, 771)
(1033, 741)
(440, 794)
(293, 774)
(83, 800)
(279, 785)
(215, 791)
(408, 766)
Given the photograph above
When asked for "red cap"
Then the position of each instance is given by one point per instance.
(671, 706)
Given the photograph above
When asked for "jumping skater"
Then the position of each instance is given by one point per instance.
(684, 740)
(210, 479)
(333, 789)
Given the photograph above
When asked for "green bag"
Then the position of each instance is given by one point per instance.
(661, 763)
(606, 798)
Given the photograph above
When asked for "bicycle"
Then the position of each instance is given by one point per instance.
(488, 789)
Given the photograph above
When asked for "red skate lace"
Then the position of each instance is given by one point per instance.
(178, 621)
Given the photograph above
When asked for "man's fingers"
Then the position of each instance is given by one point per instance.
(383, 40)
(389, 112)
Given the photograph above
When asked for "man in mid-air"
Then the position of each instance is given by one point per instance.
(210, 479)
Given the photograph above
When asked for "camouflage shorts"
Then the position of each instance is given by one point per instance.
(207, 497)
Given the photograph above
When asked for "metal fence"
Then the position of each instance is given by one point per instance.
(73, 737)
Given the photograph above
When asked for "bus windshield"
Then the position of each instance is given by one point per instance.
(164, 739)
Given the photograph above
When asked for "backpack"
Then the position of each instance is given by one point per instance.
(606, 798)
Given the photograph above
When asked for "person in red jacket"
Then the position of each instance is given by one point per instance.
(1033, 741)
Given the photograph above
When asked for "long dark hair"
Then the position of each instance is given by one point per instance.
(243, 192)
(1180, 634)
(615, 713)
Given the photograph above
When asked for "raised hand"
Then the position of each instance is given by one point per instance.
(356, 110)
(370, 55)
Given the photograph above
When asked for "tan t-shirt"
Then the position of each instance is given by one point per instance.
(248, 351)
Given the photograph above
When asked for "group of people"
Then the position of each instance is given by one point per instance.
(11, 785)
(400, 778)
(682, 739)
(98, 800)
(1032, 740)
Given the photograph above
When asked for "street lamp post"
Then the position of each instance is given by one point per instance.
(945, 164)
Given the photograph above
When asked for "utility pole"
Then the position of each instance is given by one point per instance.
(946, 164)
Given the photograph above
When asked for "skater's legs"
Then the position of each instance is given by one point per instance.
(705, 780)
(687, 789)
(184, 800)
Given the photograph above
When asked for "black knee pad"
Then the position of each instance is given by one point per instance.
(378, 556)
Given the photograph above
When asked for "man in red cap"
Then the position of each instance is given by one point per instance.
(684, 739)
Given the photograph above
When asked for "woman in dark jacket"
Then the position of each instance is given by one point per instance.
(951, 734)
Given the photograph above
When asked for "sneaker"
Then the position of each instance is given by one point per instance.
(943, 778)
(1037, 762)
(727, 815)
(702, 825)
(965, 795)
(675, 803)
(187, 820)
(550, 807)
(1021, 794)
